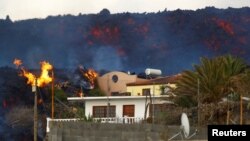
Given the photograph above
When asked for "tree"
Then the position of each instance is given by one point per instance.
(105, 12)
(217, 78)
(8, 19)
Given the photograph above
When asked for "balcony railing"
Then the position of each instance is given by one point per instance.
(60, 120)
(125, 120)
(122, 120)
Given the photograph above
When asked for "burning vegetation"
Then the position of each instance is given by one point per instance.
(90, 75)
(43, 79)
(17, 62)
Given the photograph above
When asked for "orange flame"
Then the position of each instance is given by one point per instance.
(31, 77)
(17, 62)
(44, 77)
(91, 75)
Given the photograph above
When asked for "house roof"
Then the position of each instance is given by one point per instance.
(161, 80)
(112, 97)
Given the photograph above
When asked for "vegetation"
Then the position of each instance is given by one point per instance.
(215, 78)
(61, 95)
(185, 101)
(96, 92)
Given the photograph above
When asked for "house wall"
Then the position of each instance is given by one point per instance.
(154, 89)
(135, 90)
(139, 106)
(107, 84)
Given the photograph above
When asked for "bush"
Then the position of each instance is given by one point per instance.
(61, 95)
(185, 101)
(96, 92)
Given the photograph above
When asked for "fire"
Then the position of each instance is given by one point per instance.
(18, 62)
(31, 77)
(91, 75)
(44, 77)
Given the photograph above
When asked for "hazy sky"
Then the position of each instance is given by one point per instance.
(26, 9)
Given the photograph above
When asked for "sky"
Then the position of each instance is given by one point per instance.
(28, 9)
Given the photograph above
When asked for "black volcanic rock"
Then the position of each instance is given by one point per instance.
(168, 40)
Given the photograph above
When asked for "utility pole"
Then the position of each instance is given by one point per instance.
(34, 89)
(198, 99)
(153, 106)
(228, 113)
(52, 95)
(108, 104)
(241, 110)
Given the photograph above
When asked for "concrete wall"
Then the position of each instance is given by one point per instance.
(83, 131)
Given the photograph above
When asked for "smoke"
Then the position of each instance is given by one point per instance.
(72, 60)
(168, 40)
(106, 57)
(34, 56)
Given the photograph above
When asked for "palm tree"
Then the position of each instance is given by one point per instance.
(217, 78)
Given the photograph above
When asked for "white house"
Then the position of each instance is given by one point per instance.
(120, 109)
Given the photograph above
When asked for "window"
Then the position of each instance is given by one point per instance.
(114, 93)
(145, 92)
(120, 94)
(104, 111)
(129, 110)
(114, 78)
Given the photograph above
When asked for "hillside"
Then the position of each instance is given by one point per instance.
(168, 40)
